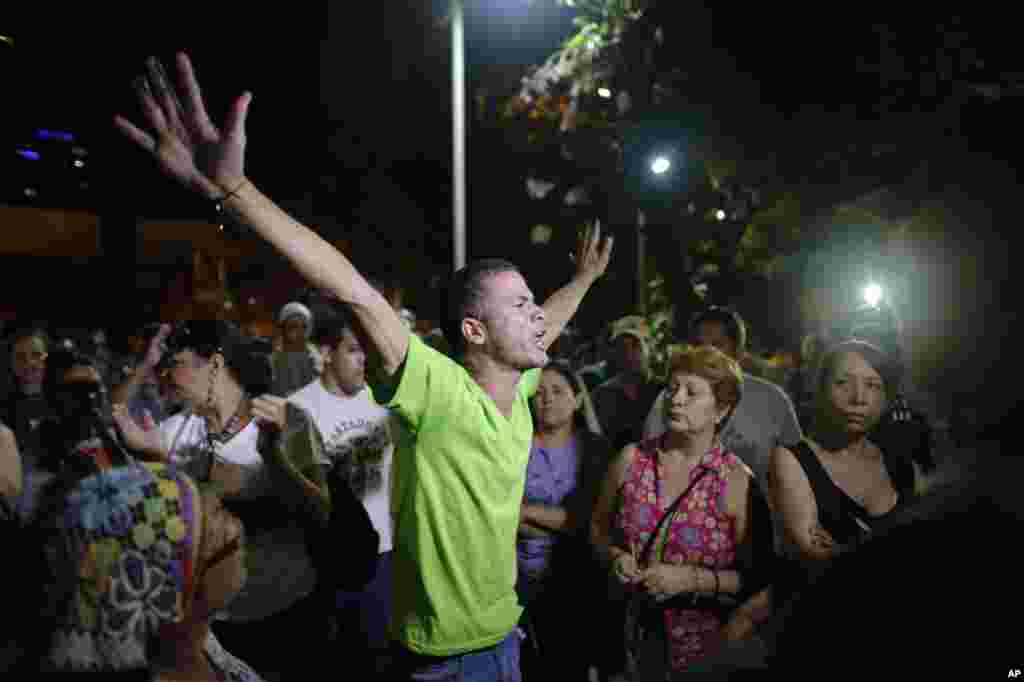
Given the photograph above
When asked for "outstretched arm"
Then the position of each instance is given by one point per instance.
(592, 256)
(797, 509)
(210, 161)
(10, 464)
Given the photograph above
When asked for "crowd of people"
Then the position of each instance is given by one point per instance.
(359, 497)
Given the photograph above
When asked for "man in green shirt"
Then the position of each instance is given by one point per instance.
(461, 457)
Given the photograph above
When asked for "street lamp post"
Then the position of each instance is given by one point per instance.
(641, 258)
(458, 134)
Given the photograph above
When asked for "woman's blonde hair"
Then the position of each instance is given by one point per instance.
(721, 371)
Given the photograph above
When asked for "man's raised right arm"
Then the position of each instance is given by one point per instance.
(209, 160)
(325, 267)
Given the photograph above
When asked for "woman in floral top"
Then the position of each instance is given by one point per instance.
(701, 557)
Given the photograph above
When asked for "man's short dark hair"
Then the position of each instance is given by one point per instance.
(331, 324)
(242, 355)
(463, 297)
(730, 320)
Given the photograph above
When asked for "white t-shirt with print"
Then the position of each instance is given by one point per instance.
(280, 570)
(356, 436)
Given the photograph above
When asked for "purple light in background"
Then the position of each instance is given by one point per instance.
(29, 154)
(44, 134)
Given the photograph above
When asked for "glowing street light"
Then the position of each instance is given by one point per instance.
(872, 294)
(660, 165)
(604, 92)
(720, 215)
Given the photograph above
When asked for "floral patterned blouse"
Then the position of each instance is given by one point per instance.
(701, 533)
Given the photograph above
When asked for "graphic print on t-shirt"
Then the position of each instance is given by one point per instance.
(359, 459)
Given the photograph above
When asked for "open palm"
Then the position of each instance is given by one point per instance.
(182, 138)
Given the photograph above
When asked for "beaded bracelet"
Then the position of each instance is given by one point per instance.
(218, 204)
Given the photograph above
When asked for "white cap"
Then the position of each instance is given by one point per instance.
(291, 310)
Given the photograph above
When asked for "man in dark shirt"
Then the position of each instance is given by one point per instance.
(622, 402)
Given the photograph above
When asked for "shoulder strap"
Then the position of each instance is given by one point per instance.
(829, 498)
(816, 474)
(670, 510)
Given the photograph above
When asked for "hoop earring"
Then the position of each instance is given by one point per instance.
(213, 378)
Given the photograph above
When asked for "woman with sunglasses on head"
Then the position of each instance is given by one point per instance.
(263, 454)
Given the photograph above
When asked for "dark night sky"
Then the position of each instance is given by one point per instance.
(352, 100)
(368, 85)
(352, 107)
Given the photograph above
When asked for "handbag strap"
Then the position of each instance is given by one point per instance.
(671, 510)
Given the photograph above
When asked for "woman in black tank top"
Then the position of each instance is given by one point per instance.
(836, 486)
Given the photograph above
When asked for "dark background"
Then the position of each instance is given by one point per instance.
(350, 128)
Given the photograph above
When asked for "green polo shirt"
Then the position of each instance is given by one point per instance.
(458, 480)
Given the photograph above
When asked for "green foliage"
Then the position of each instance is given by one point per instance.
(661, 321)
(559, 97)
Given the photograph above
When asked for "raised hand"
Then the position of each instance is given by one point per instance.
(144, 438)
(270, 411)
(182, 138)
(592, 253)
(155, 350)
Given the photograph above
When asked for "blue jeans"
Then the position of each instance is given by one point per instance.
(499, 663)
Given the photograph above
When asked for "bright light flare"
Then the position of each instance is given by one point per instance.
(872, 294)
(720, 215)
(604, 92)
(660, 165)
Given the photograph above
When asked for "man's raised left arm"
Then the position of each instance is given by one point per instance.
(592, 256)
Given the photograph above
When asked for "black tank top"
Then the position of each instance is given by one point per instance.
(838, 513)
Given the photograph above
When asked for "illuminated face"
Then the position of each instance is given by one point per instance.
(513, 322)
(346, 363)
(28, 360)
(295, 331)
(855, 394)
(690, 405)
(555, 402)
(187, 377)
(714, 333)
